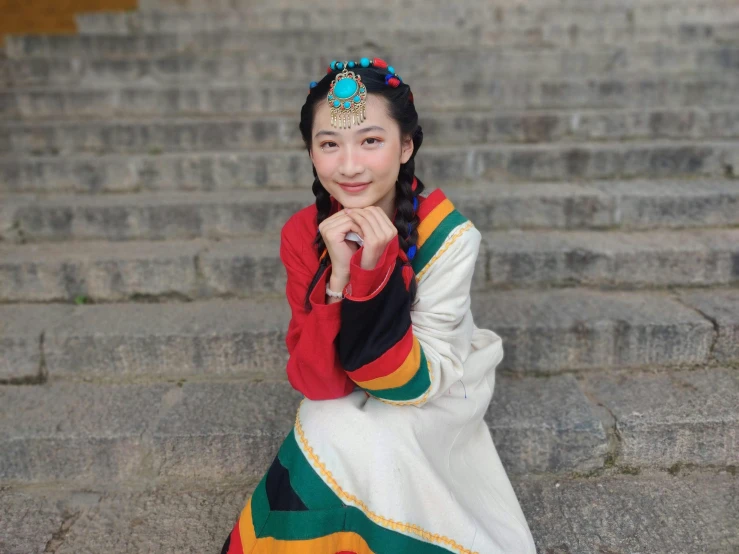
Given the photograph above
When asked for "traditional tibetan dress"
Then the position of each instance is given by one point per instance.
(389, 453)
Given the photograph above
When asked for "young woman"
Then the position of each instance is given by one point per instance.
(389, 453)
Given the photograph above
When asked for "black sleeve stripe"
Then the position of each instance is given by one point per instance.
(371, 327)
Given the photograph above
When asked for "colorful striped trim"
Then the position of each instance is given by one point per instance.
(436, 239)
(389, 361)
(328, 525)
(403, 374)
(244, 540)
(386, 360)
(422, 400)
(379, 520)
(452, 238)
(419, 383)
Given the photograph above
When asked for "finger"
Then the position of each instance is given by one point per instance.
(384, 228)
(341, 221)
(340, 228)
(368, 232)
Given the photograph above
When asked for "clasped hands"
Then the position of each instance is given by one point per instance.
(370, 223)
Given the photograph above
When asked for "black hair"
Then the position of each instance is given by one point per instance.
(401, 109)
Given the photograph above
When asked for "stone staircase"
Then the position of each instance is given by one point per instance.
(148, 163)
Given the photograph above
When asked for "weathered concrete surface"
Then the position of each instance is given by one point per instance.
(209, 339)
(649, 512)
(401, 45)
(248, 267)
(612, 259)
(33, 521)
(22, 335)
(442, 166)
(671, 417)
(516, 93)
(134, 518)
(45, 273)
(543, 332)
(219, 134)
(673, 22)
(546, 425)
(573, 329)
(93, 68)
(695, 511)
(106, 433)
(722, 308)
(490, 206)
(201, 430)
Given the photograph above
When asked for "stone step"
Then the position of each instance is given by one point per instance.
(123, 136)
(614, 26)
(231, 68)
(287, 168)
(280, 98)
(544, 332)
(199, 269)
(80, 432)
(284, 41)
(549, 33)
(503, 13)
(629, 205)
(684, 511)
(227, 57)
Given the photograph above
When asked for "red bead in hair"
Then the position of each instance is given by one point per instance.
(414, 184)
(410, 96)
(377, 62)
(329, 70)
(394, 82)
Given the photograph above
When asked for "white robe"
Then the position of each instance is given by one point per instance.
(429, 468)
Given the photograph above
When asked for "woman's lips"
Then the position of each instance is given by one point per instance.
(353, 187)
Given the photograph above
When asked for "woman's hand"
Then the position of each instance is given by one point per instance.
(333, 229)
(376, 231)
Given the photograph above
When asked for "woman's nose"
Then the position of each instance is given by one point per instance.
(349, 164)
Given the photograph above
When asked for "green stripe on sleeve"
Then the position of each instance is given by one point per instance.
(436, 240)
(419, 383)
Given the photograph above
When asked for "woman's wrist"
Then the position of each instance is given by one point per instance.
(336, 283)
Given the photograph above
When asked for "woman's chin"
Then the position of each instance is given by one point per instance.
(354, 203)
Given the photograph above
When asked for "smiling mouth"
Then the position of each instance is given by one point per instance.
(353, 185)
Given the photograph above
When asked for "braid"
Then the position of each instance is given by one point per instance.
(323, 204)
(404, 195)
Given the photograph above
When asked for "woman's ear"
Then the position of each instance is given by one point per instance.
(406, 150)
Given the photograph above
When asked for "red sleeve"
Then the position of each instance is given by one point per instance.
(313, 367)
(363, 282)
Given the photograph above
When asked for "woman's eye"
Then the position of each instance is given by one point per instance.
(374, 141)
(328, 144)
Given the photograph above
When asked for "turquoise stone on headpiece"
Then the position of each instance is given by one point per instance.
(345, 88)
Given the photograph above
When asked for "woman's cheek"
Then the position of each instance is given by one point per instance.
(323, 165)
(379, 160)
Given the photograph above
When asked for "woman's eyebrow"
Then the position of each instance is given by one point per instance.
(333, 133)
(369, 129)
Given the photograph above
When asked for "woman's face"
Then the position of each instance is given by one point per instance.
(368, 154)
